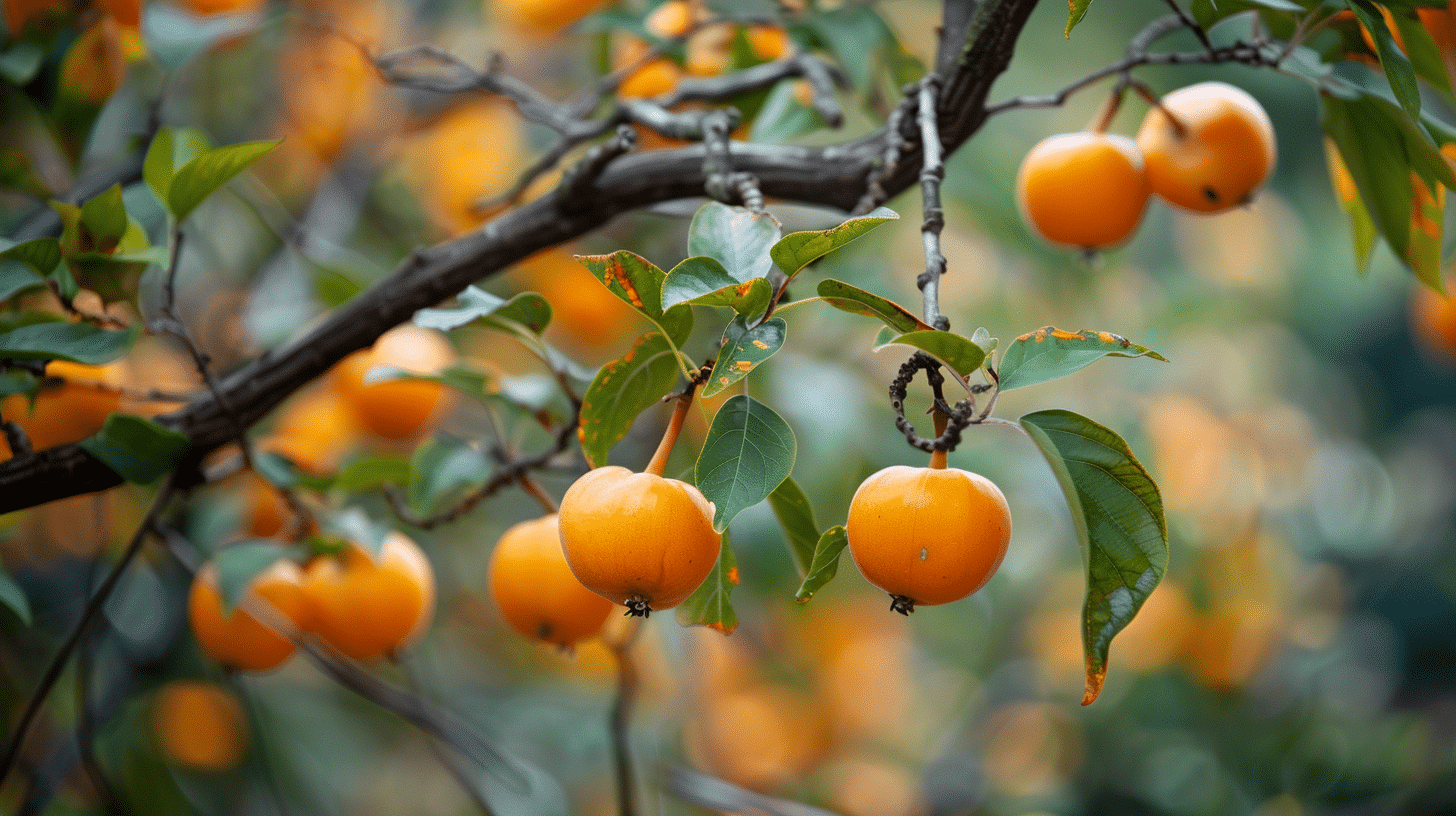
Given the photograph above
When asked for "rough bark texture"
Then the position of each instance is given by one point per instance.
(832, 176)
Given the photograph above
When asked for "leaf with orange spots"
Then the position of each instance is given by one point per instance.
(1049, 353)
(1076, 9)
(850, 298)
(711, 605)
(797, 250)
(742, 350)
(639, 282)
(1117, 512)
(825, 564)
(623, 389)
(702, 281)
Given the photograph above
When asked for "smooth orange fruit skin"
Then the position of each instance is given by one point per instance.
(1224, 152)
(543, 16)
(638, 537)
(1083, 189)
(200, 725)
(930, 535)
(315, 430)
(368, 608)
(237, 639)
(205, 7)
(535, 589)
(1433, 320)
(67, 413)
(397, 409)
(671, 19)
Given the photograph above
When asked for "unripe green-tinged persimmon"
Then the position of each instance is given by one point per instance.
(1207, 147)
(638, 539)
(1083, 189)
(368, 607)
(235, 637)
(535, 589)
(928, 535)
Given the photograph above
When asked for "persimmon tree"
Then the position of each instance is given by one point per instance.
(743, 115)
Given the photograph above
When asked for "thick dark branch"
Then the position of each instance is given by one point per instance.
(832, 176)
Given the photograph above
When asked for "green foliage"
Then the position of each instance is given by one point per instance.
(797, 250)
(525, 315)
(825, 563)
(1117, 511)
(13, 598)
(743, 350)
(205, 174)
(77, 342)
(736, 238)
(623, 389)
(138, 449)
(791, 507)
(959, 354)
(1398, 68)
(440, 468)
(852, 299)
(749, 451)
(240, 562)
(639, 283)
(1049, 353)
(711, 604)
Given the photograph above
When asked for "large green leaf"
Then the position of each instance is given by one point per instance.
(702, 281)
(710, 604)
(374, 472)
(742, 350)
(749, 451)
(623, 389)
(441, 469)
(138, 449)
(77, 342)
(639, 282)
(1398, 69)
(791, 507)
(1118, 514)
(13, 598)
(41, 254)
(855, 300)
(202, 176)
(737, 238)
(1422, 49)
(16, 277)
(960, 354)
(797, 250)
(1049, 353)
(104, 217)
(825, 564)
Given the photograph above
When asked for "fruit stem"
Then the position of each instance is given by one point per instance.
(1103, 120)
(533, 487)
(1179, 129)
(658, 465)
(938, 457)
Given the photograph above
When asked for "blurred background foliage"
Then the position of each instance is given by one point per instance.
(1298, 659)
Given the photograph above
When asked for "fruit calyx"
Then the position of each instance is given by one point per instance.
(902, 604)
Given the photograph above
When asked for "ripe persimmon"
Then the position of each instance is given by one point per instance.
(200, 725)
(400, 408)
(1433, 320)
(535, 589)
(543, 16)
(1083, 189)
(1207, 147)
(65, 413)
(234, 636)
(928, 535)
(206, 7)
(366, 606)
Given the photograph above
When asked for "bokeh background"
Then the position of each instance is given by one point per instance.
(1298, 658)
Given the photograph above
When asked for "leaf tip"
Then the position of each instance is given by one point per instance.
(1095, 679)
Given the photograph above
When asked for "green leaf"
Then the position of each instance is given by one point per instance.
(41, 254)
(238, 564)
(16, 277)
(17, 382)
(440, 469)
(797, 250)
(960, 354)
(159, 166)
(1382, 148)
(1076, 10)
(375, 472)
(825, 563)
(1398, 70)
(138, 449)
(702, 281)
(849, 298)
(1118, 514)
(735, 237)
(623, 389)
(77, 342)
(21, 61)
(202, 176)
(791, 507)
(710, 604)
(356, 526)
(528, 311)
(13, 597)
(639, 282)
(742, 350)
(857, 36)
(749, 451)
(1425, 55)
(104, 217)
(1362, 226)
(1049, 353)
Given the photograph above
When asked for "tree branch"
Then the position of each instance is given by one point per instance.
(832, 176)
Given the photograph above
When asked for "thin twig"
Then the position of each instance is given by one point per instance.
(1191, 25)
(620, 719)
(931, 175)
(93, 608)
